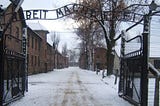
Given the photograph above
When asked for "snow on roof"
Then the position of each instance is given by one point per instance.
(4, 3)
(36, 26)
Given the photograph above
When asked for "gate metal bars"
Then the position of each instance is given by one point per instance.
(13, 71)
(13, 67)
(14, 76)
(131, 71)
(133, 84)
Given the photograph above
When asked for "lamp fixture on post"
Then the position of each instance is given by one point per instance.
(153, 6)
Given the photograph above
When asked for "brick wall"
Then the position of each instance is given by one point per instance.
(34, 46)
(100, 58)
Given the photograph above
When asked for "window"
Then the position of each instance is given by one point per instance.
(32, 41)
(28, 42)
(35, 61)
(35, 44)
(28, 59)
(38, 61)
(32, 60)
(157, 64)
(39, 45)
(17, 32)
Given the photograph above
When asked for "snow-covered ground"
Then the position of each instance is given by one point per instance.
(71, 87)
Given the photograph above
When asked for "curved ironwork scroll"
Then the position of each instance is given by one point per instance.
(42, 14)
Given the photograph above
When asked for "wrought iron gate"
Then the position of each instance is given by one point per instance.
(13, 70)
(131, 69)
(133, 84)
(14, 76)
(132, 72)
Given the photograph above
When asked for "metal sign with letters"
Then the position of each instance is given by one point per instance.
(54, 14)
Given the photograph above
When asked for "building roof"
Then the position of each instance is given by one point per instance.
(34, 32)
(37, 26)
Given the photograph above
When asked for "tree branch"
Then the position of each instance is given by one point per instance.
(104, 29)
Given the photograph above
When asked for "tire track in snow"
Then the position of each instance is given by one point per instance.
(73, 92)
(76, 93)
(87, 98)
(70, 93)
(60, 92)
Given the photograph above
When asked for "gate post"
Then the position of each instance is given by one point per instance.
(1, 66)
(144, 73)
(121, 81)
(24, 47)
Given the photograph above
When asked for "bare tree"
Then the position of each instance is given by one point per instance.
(113, 11)
(91, 37)
(64, 50)
(114, 17)
(55, 39)
(72, 57)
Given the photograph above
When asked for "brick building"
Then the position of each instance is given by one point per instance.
(43, 49)
(37, 48)
(60, 61)
(99, 59)
(50, 57)
(42, 57)
(34, 47)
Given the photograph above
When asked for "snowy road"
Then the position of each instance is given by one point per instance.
(70, 87)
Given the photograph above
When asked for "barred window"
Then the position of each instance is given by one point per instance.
(32, 41)
(32, 60)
